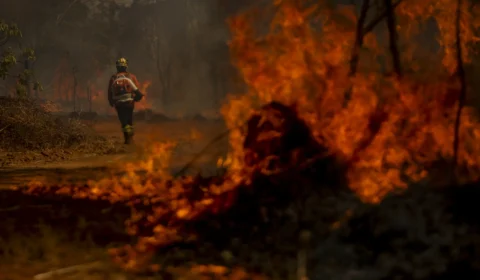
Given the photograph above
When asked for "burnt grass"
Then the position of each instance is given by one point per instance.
(419, 233)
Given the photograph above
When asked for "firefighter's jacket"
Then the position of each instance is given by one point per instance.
(122, 87)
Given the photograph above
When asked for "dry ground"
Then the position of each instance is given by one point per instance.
(22, 257)
(191, 136)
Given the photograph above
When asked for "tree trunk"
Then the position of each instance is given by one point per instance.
(161, 80)
(74, 97)
(164, 75)
(26, 66)
(463, 91)
(89, 99)
(355, 57)
(392, 37)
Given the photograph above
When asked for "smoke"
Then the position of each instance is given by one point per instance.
(189, 65)
(126, 3)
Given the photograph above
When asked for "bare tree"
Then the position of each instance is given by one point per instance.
(195, 38)
(218, 71)
(74, 97)
(89, 98)
(359, 35)
(463, 89)
(393, 37)
(160, 52)
(363, 29)
(26, 67)
(217, 53)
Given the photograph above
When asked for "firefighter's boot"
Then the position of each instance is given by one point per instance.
(128, 134)
(127, 138)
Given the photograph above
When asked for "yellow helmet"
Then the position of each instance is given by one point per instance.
(122, 62)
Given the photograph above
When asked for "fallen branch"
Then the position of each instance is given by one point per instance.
(202, 152)
(67, 270)
(7, 126)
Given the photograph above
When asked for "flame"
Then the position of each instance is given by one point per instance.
(389, 129)
(63, 82)
(145, 102)
(63, 88)
(392, 131)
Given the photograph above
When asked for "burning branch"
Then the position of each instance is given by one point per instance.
(463, 89)
(363, 30)
(392, 37)
(210, 144)
(359, 38)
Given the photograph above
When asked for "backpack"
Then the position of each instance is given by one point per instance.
(122, 84)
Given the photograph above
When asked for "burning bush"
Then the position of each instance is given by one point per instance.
(25, 126)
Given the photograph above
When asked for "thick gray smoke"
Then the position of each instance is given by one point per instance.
(180, 46)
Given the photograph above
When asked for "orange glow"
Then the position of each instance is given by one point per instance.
(63, 89)
(63, 82)
(145, 102)
(389, 129)
(392, 131)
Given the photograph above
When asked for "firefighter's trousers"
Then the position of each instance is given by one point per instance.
(125, 115)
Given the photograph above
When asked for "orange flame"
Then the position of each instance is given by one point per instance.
(391, 131)
(145, 102)
(63, 88)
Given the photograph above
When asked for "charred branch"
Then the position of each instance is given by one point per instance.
(363, 30)
(463, 89)
(393, 37)
(369, 27)
(359, 38)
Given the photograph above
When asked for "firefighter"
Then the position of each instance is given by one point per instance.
(123, 92)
